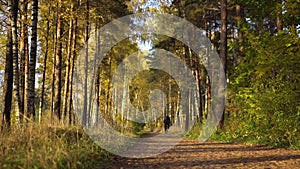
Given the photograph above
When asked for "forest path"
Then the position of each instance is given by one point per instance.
(192, 154)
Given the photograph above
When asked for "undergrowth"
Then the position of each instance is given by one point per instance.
(235, 131)
(239, 132)
(42, 146)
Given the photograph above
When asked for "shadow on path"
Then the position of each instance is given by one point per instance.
(192, 154)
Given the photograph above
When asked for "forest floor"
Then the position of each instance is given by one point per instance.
(192, 154)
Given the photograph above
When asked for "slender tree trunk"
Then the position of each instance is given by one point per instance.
(30, 94)
(238, 19)
(109, 91)
(97, 80)
(54, 37)
(44, 72)
(93, 81)
(207, 93)
(207, 96)
(68, 67)
(24, 55)
(8, 79)
(239, 15)
(124, 93)
(199, 94)
(190, 103)
(186, 111)
(58, 60)
(223, 51)
(14, 27)
(73, 57)
(85, 108)
(279, 17)
(98, 93)
(178, 109)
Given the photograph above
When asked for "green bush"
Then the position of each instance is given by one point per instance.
(263, 94)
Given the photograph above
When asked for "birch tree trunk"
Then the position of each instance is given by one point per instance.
(14, 27)
(30, 93)
(54, 38)
(8, 79)
(93, 81)
(24, 56)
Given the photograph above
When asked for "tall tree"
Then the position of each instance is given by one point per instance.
(8, 75)
(68, 63)
(24, 55)
(223, 45)
(85, 115)
(45, 68)
(72, 64)
(58, 60)
(30, 91)
(14, 27)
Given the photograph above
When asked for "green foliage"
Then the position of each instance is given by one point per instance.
(264, 92)
(195, 132)
(135, 127)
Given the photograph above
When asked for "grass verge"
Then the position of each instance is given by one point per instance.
(42, 146)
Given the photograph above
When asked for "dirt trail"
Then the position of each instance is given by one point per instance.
(192, 154)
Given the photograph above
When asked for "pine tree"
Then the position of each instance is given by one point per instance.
(58, 63)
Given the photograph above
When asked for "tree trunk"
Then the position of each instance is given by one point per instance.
(54, 37)
(238, 20)
(239, 15)
(85, 108)
(93, 82)
(73, 57)
(178, 121)
(199, 94)
(58, 60)
(279, 17)
(68, 67)
(124, 93)
(24, 56)
(30, 93)
(44, 71)
(8, 79)
(223, 45)
(14, 27)
(98, 92)
(207, 96)
(186, 111)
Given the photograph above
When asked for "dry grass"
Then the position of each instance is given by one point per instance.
(43, 146)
